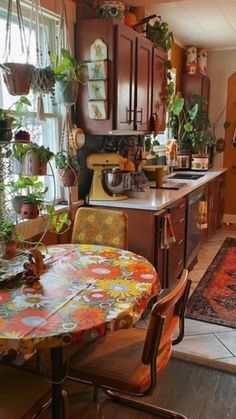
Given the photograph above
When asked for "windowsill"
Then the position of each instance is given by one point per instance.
(31, 228)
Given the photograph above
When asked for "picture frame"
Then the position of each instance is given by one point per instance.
(97, 109)
(97, 90)
(97, 70)
(98, 50)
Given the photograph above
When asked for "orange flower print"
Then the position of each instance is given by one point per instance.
(87, 317)
(139, 267)
(110, 255)
(101, 270)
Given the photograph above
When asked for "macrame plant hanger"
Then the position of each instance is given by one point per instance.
(43, 78)
(66, 145)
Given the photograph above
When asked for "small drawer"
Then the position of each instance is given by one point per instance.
(177, 212)
(179, 229)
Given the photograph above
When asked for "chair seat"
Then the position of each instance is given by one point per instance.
(116, 360)
(21, 393)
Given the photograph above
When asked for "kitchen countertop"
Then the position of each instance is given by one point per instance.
(157, 199)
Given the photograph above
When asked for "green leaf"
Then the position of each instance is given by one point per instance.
(177, 105)
(188, 127)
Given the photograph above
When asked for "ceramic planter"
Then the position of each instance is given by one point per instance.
(68, 177)
(29, 210)
(67, 91)
(18, 79)
(33, 166)
(114, 9)
(199, 162)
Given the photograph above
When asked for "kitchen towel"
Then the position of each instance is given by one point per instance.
(167, 236)
(202, 213)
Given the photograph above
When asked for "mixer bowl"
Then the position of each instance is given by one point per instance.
(114, 181)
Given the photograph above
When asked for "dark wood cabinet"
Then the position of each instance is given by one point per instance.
(196, 84)
(159, 83)
(136, 78)
(215, 199)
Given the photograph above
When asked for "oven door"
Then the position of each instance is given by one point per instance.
(193, 232)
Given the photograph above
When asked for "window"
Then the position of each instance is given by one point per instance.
(47, 132)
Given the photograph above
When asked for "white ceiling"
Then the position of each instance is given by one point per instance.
(204, 23)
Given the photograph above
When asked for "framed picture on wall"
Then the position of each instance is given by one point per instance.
(97, 70)
(97, 90)
(97, 109)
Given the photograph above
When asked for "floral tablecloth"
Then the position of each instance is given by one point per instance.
(85, 289)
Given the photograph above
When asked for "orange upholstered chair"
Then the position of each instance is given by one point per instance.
(100, 226)
(129, 361)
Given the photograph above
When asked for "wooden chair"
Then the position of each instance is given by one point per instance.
(22, 394)
(128, 362)
(100, 226)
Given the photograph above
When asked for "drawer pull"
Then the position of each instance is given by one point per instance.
(181, 220)
(181, 206)
(180, 241)
(180, 261)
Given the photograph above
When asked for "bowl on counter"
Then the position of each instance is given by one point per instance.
(115, 181)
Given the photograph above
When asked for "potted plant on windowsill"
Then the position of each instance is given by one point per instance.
(68, 73)
(9, 236)
(33, 158)
(35, 192)
(11, 119)
(68, 168)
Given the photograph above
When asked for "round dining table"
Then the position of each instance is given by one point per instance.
(85, 292)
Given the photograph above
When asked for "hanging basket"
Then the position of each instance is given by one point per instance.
(68, 177)
(33, 166)
(67, 92)
(18, 78)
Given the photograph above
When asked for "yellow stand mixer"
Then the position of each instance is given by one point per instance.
(105, 166)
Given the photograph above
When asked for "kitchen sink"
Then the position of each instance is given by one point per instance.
(190, 176)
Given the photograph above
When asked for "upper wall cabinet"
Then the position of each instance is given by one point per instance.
(159, 84)
(136, 79)
(196, 84)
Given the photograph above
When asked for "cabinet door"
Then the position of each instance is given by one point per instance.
(143, 83)
(125, 77)
(159, 84)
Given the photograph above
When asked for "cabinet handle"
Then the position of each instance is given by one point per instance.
(181, 206)
(128, 115)
(180, 241)
(181, 220)
(180, 261)
(141, 116)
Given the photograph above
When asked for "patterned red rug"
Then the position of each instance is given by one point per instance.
(214, 299)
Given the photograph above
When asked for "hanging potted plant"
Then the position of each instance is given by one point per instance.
(33, 158)
(17, 76)
(68, 75)
(68, 168)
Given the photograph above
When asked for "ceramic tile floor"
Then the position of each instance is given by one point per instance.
(206, 343)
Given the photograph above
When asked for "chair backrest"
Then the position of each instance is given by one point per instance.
(100, 226)
(167, 317)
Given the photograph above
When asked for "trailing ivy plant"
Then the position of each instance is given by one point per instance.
(160, 34)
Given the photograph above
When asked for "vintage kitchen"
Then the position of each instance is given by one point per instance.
(117, 175)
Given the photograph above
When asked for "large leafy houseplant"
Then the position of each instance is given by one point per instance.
(181, 120)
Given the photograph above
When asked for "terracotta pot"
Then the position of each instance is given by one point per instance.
(18, 80)
(67, 91)
(68, 177)
(10, 250)
(22, 137)
(29, 210)
(33, 166)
